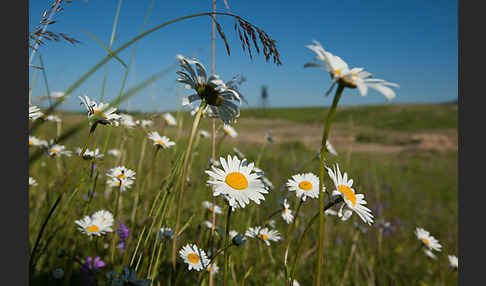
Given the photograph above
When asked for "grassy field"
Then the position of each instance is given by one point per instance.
(388, 150)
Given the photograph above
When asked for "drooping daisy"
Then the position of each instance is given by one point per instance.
(213, 267)
(160, 141)
(114, 152)
(212, 207)
(453, 261)
(265, 234)
(121, 172)
(430, 254)
(352, 78)
(237, 183)
(353, 201)
(169, 119)
(428, 240)
(194, 257)
(204, 134)
(304, 185)
(237, 238)
(220, 98)
(228, 130)
(32, 182)
(108, 116)
(34, 112)
(90, 154)
(126, 120)
(94, 226)
(268, 136)
(56, 150)
(286, 212)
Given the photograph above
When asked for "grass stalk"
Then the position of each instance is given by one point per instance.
(183, 181)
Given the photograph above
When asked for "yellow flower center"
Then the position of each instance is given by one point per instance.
(305, 185)
(119, 183)
(263, 236)
(211, 209)
(284, 210)
(348, 194)
(54, 150)
(121, 176)
(93, 228)
(227, 131)
(426, 241)
(161, 143)
(102, 114)
(237, 181)
(31, 143)
(338, 72)
(193, 258)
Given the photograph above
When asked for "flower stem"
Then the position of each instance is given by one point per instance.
(327, 127)
(183, 181)
(226, 252)
(307, 228)
(289, 238)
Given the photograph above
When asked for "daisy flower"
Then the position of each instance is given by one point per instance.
(268, 136)
(94, 225)
(304, 185)
(144, 123)
(57, 149)
(160, 141)
(212, 267)
(344, 215)
(34, 141)
(453, 261)
(228, 130)
(237, 183)
(34, 112)
(121, 172)
(204, 134)
(108, 116)
(237, 238)
(353, 201)
(265, 234)
(114, 152)
(127, 120)
(52, 117)
(352, 78)
(212, 207)
(220, 98)
(104, 216)
(169, 119)
(123, 184)
(32, 182)
(286, 212)
(209, 224)
(428, 240)
(194, 257)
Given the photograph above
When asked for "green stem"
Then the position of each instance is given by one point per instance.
(226, 252)
(115, 213)
(289, 238)
(183, 181)
(327, 127)
(304, 234)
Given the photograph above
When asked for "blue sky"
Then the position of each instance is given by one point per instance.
(412, 43)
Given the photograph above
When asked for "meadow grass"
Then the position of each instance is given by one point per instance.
(409, 189)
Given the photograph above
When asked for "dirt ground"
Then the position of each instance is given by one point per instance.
(344, 137)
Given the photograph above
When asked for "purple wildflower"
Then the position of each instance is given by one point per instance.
(123, 233)
(90, 267)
